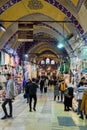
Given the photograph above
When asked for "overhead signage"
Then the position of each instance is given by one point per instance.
(25, 32)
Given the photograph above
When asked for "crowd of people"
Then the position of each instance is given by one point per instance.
(66, 92)
(81, 96)
(63, 93)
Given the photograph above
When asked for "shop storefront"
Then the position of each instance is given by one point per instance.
(48, 67)
(34, 71)
(76, 67)
(30, 70)
(27, 70)
(10, 64)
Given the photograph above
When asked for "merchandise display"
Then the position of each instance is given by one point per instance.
(9, 64)
(75, 103)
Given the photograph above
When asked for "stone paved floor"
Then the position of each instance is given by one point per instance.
(49, 116)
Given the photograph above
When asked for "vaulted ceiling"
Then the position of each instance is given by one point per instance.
(60, 19)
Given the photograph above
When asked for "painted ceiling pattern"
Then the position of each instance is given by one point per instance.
(75, 2)
(7, 5)
(65, 11)
(36, 5)
(53, 2)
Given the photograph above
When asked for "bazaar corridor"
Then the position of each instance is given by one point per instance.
(50, 115)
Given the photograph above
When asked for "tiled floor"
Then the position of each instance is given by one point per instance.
(49, 116)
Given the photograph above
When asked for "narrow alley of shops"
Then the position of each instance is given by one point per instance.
(43, 63)
(49, 115)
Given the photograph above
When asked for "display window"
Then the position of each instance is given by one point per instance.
(52, 62)
(47, 61)
(42, 62)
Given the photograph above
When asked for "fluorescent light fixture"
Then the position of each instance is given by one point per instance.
(25, 40)
(26, 55)
(60, 45)
(2, 28)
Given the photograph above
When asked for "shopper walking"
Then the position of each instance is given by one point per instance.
(45, 85)
(27, 89)
(62, 87)
(84, 105)
(9, 97)
(41, 85)
(23, 84)
(68, 98)
(80, 91)
(56, 89)
(33, 94)
(82, 80)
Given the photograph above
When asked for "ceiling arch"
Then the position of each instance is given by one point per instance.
(67, 13)
(48, 54)
(39, 48)
(24, 11)
(60, 12)
(49, 28)
(29, 46)
(72, 5)
(75, 4)
(23, 4)
(26, 46)
(9, 15)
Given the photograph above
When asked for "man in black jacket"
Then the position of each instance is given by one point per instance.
(27, 89)
(33, 94)
(41, 85)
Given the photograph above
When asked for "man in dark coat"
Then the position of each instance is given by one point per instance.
(41, 85)
(33, 94)
(68, 99)
(27, 89)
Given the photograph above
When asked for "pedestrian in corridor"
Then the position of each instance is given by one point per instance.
(41, 85)
(33, 94)
(9, 97)
(56, 90)
(62, 87)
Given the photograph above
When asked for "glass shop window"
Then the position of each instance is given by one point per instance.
(47, 61)
(42, 62)
(52, 62)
